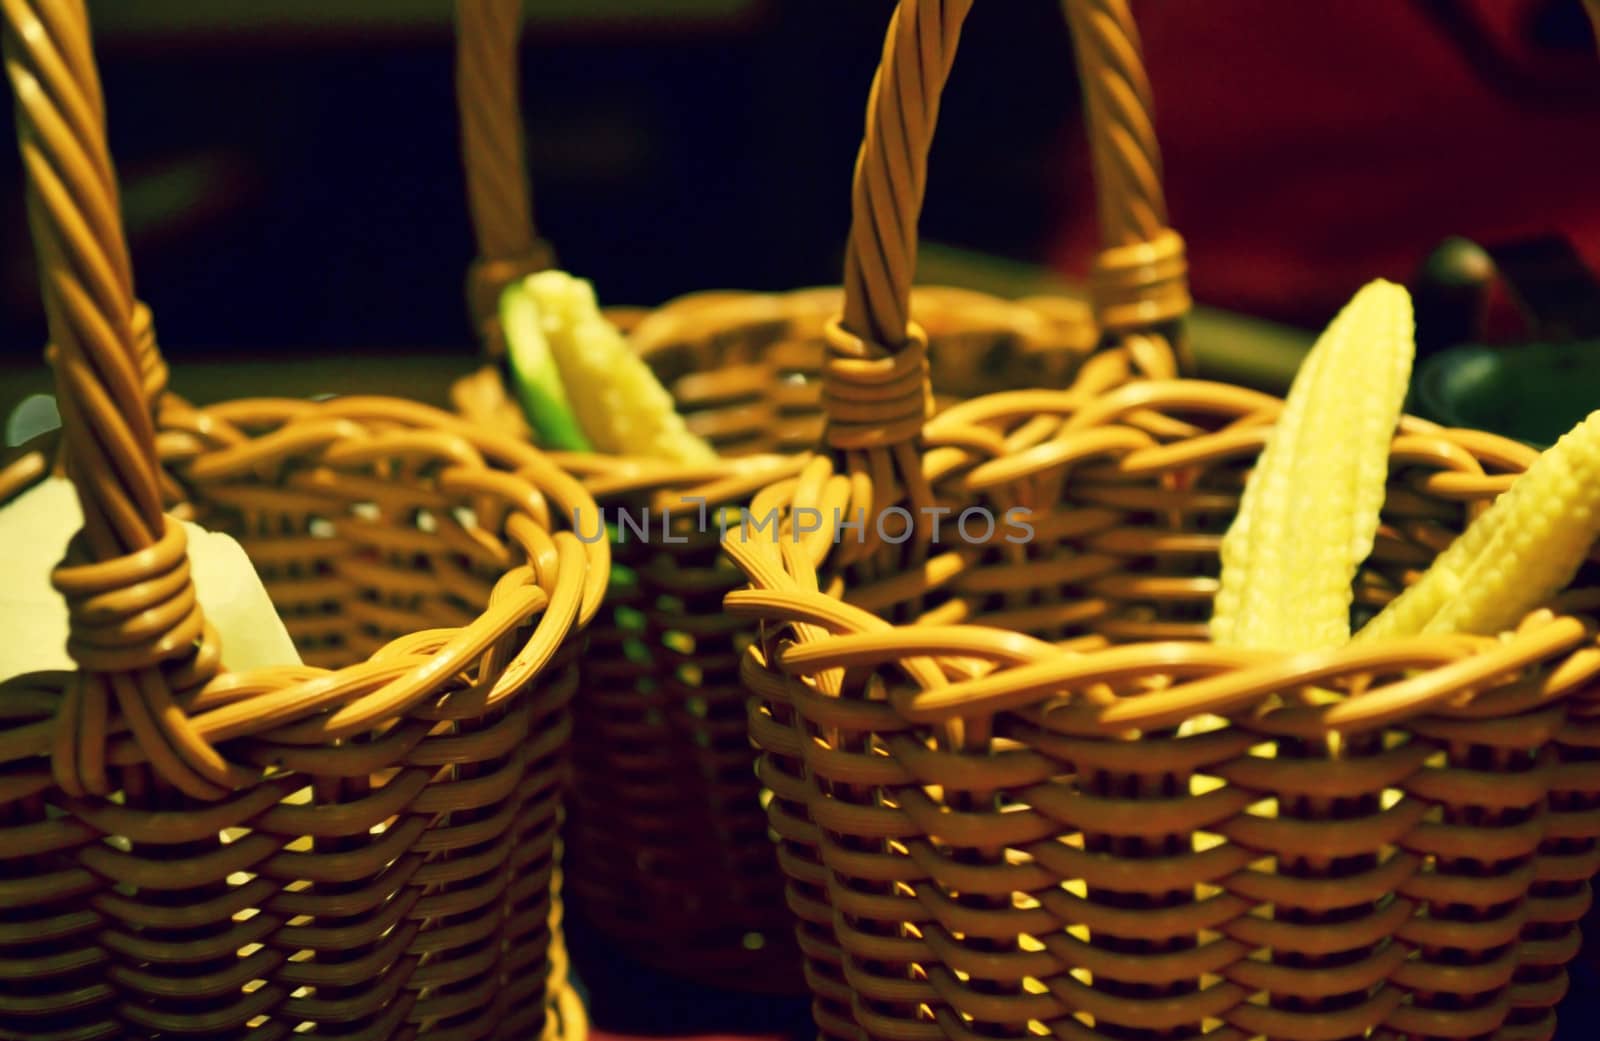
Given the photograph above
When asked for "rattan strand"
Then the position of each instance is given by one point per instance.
(1140, 274)
(367, 851)
(891, 169)
(990, 819)
(990, 824)
(498, 194)
(681, 875)
(874, 355)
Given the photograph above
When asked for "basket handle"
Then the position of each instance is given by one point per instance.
(136, 629)
(875, 388)
(495, 159)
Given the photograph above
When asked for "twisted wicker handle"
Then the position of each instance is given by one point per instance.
(1139, 284)
(494, 155)
(874, 390)
(126, 578)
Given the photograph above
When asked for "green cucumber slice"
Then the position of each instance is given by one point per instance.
(535, 376)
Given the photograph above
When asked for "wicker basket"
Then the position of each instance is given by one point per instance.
(990, 820)
(362, 846)
(668, 843)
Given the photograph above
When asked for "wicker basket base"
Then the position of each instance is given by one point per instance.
(567, 1019)
(670, 857)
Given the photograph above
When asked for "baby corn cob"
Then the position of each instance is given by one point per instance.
(1517, 555)
(1310, 509)
(618, 401)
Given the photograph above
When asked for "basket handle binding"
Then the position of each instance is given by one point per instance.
(495, 159)
(876, 389)
(136, 628)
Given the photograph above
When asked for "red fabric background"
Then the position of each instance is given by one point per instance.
(1315, 144)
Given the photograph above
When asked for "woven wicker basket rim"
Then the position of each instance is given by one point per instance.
(113, 354)
(789, 585)
(1038, 324)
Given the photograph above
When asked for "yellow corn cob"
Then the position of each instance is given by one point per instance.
(1517, 555)
(1310, 509)
(619, 403)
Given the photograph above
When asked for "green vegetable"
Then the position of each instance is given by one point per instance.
(618, 400)
(535, 375)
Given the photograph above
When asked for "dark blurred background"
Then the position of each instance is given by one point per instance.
(294, 180)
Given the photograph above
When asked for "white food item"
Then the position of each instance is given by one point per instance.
(35, 528)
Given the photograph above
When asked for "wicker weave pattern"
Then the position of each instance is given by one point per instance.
(1016, 791)
(394, 870)
(747, 369)
(368, 852)
(395, 884)
(990, 823)
(681, 872)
